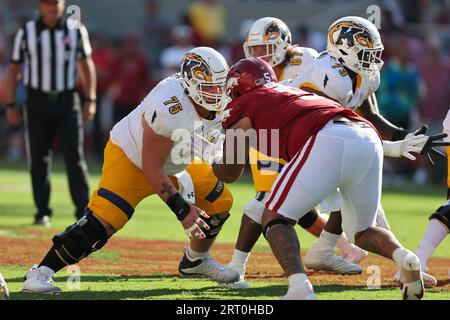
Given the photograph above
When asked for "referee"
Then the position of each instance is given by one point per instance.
(46, 54)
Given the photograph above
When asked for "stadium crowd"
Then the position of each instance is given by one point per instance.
(415, 79)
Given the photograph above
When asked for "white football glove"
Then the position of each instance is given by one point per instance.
(400, 148)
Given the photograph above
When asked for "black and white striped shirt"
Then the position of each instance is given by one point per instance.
(50, 55)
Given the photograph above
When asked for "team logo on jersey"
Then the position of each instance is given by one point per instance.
(195, 66)
(351, 33)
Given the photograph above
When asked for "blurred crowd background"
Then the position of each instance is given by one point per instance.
(136, 43)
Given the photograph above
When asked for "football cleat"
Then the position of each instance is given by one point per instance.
(354, 254)
(241, 283)
(325, 260)
(39, 280)
(4, 292)
(304, 292)
(208, 267)
(428, 280)
(410, 276)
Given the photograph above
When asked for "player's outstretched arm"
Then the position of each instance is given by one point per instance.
(235, 152)
(155, 150)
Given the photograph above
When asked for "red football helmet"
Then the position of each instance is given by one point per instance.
(248, 74)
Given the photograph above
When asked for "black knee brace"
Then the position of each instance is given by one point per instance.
(215, 224)
(80, 239)
(272, 223)
(308, 219)
(443, 215)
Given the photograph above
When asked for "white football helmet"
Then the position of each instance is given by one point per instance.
(356, 43)
(203, 73)
(274, 34)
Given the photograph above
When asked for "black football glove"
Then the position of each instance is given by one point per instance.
(429, 147)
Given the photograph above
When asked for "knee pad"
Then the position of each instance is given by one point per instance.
(308, 219)
(215, 224)
(272, 223)
(80, 239)
(443, 215)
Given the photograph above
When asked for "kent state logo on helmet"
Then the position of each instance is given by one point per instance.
(203, 73)
(272, 33)
(356, 43)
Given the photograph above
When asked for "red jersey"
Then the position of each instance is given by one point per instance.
(297, 115)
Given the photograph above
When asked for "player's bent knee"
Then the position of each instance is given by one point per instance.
(308, 220)
(276, 219)
(80, 239)
(215, 224)
(443, 215)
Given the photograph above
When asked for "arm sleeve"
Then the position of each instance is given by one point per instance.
(18, 47)
(84, 46)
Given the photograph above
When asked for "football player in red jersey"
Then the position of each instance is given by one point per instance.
(317, 136)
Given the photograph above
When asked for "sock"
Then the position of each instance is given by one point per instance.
(194, 254)
(297, 280)
(52, 261)
(343, 244)
(399, 256)
(327, 241)
(435, 233)
(239, 257)
(238, 261)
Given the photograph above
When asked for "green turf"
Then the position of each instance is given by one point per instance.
(407, 211)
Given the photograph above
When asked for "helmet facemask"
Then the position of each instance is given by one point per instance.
(370, 61)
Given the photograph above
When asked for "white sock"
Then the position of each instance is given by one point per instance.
(399, 256)
(239, 257)
(343, 243)
(297, 280)
(327, 241)
(435, 233)
(47, 271)
(194, 254)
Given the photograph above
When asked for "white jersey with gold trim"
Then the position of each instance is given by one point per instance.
(328, 76)
(300, 61)
(170, 113)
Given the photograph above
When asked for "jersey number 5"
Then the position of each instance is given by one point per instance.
(175, 105)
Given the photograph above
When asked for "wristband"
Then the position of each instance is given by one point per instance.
(91, 100)
(179, 206)
(399, 134)
(11, 105)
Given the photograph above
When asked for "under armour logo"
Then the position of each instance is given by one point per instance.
(153, 117)
(189, 195)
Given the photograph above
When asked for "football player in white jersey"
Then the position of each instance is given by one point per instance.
(349, 73)
(270, 39)
(145, 156)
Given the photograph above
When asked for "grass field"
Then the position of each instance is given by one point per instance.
(141, 261)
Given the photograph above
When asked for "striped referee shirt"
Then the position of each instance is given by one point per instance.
(50, 55)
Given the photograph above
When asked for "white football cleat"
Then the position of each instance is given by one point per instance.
(303, 292)
(428, 280)
(208, 267)
(241, 283)
(354, 254)
(327, 261)
(4, 292)
(411, 276)
(39, 280)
